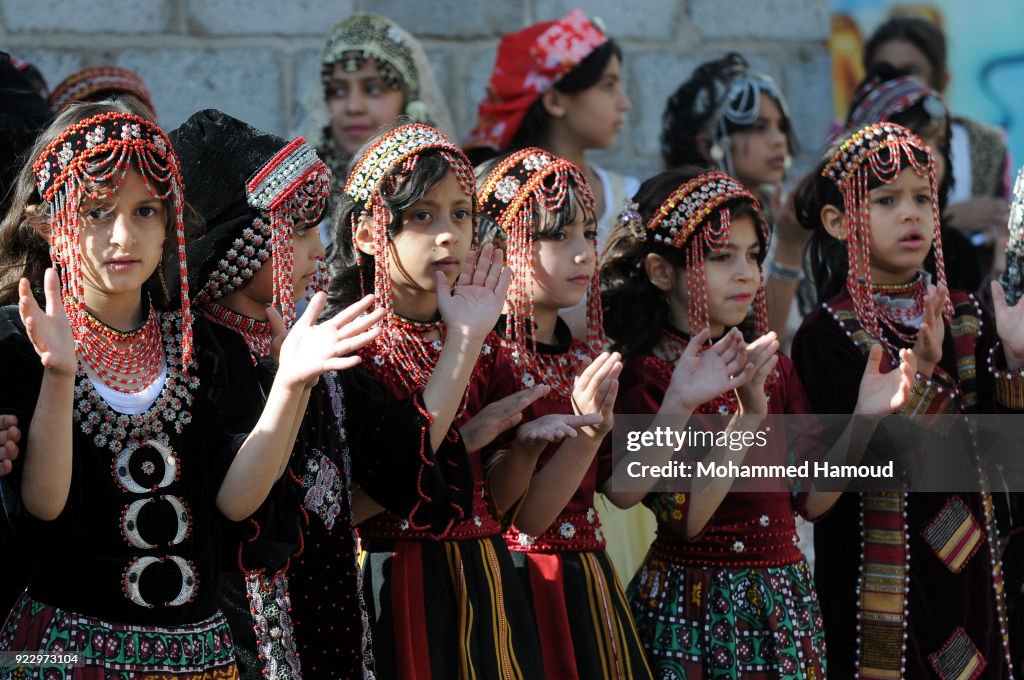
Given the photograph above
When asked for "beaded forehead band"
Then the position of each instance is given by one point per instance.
(880, 150)
(101, 150)
(523, 185)
(686, 216)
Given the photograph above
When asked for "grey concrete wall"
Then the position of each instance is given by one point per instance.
(255, 59)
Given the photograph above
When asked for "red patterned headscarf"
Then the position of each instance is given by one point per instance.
(528, 64)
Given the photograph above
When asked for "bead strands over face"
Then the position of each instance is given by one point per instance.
(99, 151)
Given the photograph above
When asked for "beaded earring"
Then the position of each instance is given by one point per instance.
(686, 215)
(525, 183)
(384, 167)
(880, 150)
(100, 150)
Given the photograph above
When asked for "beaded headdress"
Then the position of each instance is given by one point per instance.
(386, 165)
(515, 191)
(684, 221)
(882, 150)
(101, 149)
(82, 86)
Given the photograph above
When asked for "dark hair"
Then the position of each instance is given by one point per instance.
(350, 270)
(546, 223)
(534, 128)
(683, 120)
(24, 231)
(923, 34)
(636, 312)
(826, 261)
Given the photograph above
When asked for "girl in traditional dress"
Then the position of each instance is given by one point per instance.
(874, 213)
(130, 462)
(724, 590)
(444, 601)
(540, 208)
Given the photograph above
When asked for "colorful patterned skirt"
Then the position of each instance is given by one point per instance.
(586, 628)
(713, 622)
(442, 610)
(113, 651)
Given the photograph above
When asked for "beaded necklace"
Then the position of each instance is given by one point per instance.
(125, 361)
(255, 332)
(894, 316)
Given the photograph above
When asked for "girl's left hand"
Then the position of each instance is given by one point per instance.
(1009, 326)
(554, 427)
(595, 390)
(762, 353)
(312, 349)
(883, 393)
(10, 435)
(476, 303)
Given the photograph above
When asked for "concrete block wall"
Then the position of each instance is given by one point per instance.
(256, 59)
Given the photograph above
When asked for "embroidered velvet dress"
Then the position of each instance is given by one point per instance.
(585, 625)
(126, 575)
(930, 603)
(737, 600)
(447, 603)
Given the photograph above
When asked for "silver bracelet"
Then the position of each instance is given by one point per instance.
(777, 271)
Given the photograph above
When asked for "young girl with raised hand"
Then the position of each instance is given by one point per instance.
(540, 209)
(128, 457)
(873, 209)
(406, 226)
(683, 268)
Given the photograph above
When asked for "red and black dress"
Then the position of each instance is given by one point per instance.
(585, 626)
(911, 584)
(737, 600)
(445, 602)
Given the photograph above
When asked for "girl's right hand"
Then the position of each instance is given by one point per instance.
(555, 427)
(928, 347)
(702, 374)
(498, 416)
(763, 354)
(49, 331)
(479, 296)
(10, 435)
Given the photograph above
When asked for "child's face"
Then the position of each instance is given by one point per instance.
(307, 248)
(903, 55)
(733, 277)
(759, 152)
(594, 116)
(902, 227)
(360, 103)
(122, 238)
(436, 235)
(563, 263)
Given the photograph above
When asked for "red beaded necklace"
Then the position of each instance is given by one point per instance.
(255, 332)
(126, 361)
(895, 317)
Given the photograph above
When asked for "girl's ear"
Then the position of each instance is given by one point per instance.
(834, 221)
(660, 271)
(553, 102)
(364, 236)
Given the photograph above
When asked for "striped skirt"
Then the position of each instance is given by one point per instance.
(728, 623)
(585, 625)
(447, 610)
(114, 651)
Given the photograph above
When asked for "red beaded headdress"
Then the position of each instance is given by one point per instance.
(687, 211)
(879, 149)
(292, 188)
(521, 185)
(391, 159)
(101, 149)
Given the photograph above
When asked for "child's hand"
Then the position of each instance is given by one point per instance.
(928, 347)
(883, 393)
(49, 331)
(762, 353)
(498, 416)
(1009, 326)
(594, 391)
(702, 374)
(475, 305)
(554, 427)
(313, 349)
(10, 435)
